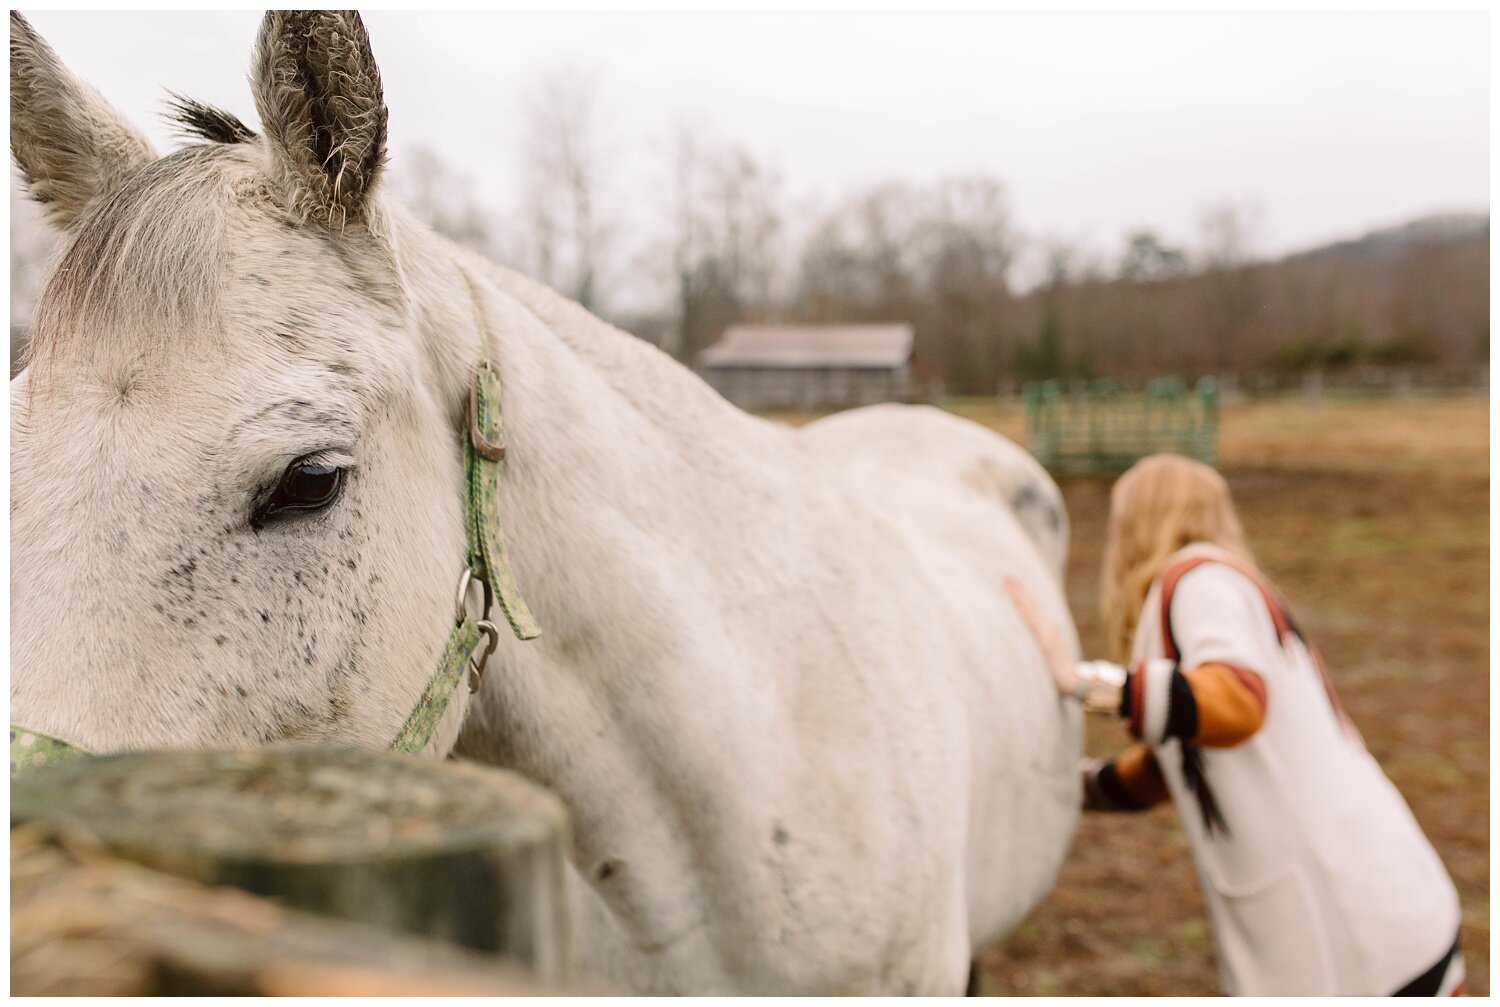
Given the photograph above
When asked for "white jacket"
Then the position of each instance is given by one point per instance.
(1324, 883)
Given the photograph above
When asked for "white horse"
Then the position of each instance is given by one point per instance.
(806, 741)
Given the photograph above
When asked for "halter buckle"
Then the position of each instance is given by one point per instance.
(492, 450)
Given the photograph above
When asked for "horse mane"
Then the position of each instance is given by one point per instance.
(196, 120)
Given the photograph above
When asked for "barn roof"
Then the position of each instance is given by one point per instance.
(793, 346)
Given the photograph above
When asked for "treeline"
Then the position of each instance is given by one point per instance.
(942, 257)
(719, 241)
(1422, 303)
(716, 239)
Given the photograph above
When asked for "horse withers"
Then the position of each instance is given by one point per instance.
(806, 743)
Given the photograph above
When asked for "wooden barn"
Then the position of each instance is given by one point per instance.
(810, 366)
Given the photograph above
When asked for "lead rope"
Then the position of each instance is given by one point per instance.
(488, 564)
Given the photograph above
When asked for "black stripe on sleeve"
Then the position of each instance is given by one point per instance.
(1182, 709)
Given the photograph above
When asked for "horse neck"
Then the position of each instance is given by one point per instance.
(607, 437)
(638, 508)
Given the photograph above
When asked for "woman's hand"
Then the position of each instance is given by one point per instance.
(1060, 659)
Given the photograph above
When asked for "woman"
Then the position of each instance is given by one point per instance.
(1317, 877)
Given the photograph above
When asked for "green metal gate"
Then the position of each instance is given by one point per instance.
(1103, 430)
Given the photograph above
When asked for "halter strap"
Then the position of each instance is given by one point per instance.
(488, 563)
(441, 688)
(32, 749)
(484, 449)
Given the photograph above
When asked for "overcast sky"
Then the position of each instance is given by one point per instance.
(1332, 124)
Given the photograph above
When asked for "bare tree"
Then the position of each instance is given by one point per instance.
(938, 257)
(744, 221)
(444, 198)
(863, 261)
(1227, 230)
(1230, 289)
(727, 222)
(564, 183)
(969, 245)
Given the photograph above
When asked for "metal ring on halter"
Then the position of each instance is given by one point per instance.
(476, 668)
(461, 606)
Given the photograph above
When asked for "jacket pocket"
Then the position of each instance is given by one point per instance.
(1271, 941)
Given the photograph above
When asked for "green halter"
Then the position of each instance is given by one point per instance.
(30, 749)
(484, 449)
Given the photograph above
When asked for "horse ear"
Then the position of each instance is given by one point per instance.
(318, 93)
(70, 145)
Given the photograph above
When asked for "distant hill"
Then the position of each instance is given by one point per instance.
(1393, 242)
(1412, 295)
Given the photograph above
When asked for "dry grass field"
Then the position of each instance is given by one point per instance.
(1372, 517)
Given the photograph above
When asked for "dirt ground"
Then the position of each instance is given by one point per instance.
(1372, 517)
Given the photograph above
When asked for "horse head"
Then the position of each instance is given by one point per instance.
(237, 473)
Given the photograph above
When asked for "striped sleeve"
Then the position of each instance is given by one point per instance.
(1230, 701)
(1156, 704)
(1215, 705)
(1131, 781)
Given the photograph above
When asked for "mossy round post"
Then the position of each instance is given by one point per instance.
(85, 923)
(451, 851)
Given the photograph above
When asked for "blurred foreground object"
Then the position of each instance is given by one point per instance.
(469, 856)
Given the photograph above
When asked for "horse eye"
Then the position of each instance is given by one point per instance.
(305, 486)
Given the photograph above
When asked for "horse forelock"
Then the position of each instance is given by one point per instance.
(197, 120)
(145, 262)
(146, 269)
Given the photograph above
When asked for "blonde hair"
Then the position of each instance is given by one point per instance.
(1163, 503)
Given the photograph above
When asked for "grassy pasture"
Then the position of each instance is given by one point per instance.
(1372, 517)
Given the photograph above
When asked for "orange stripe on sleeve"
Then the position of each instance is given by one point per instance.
(1231, 703)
